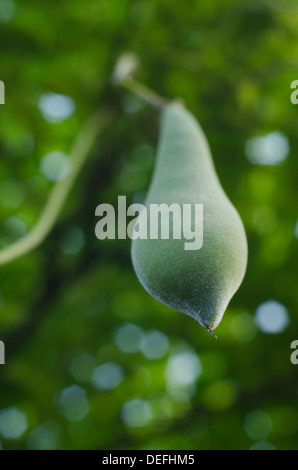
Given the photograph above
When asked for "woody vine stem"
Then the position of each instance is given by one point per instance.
(78, 154)
(58, 194)
(144, 92)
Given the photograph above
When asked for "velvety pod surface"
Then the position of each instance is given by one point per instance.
(200, 282)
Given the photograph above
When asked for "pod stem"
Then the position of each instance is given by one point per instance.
(144, 92)
(59, 192)
(125, 69)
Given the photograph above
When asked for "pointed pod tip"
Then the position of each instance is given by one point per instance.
(212, 333)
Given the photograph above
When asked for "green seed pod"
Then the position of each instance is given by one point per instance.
(198, 282)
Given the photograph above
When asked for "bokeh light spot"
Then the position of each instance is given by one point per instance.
(137, 413)
(257, 425)
(183, 368)
(73, 402)
(55, 166)
(155, 345)
(271, 317)
(47, 436)
(272, 149)
(128, 338)
(55, 107)
(14, 229)
(262, 445)
(13, 423)
(7, 10)
(107, 376)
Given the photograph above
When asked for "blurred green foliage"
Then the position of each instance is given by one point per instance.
(92, 361)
